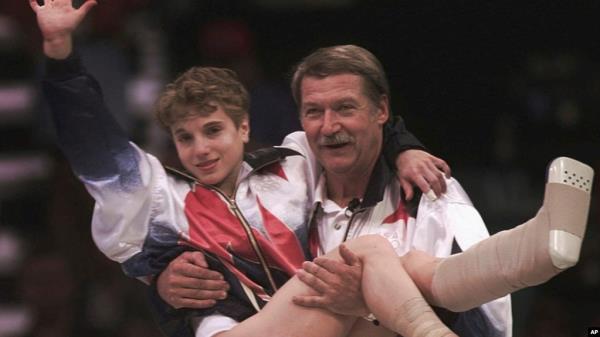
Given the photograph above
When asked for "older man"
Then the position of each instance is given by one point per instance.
(343, 97)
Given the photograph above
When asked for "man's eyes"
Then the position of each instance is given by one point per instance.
(343, 109)
(346, 108)
(312, 112)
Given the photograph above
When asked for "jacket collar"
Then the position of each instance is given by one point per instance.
(262, 157)
(255, 160)
(381, 177)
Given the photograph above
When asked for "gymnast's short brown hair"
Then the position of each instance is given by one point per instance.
(199, 92)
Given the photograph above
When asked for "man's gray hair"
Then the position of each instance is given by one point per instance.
(344, 59)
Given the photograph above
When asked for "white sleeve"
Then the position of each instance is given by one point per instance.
(464, 220)
(469, 228)
(208, 326)
(297, 141)
(128, 203)
(456, 212)
(499, 314)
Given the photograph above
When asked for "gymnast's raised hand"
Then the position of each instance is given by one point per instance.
(57, 20)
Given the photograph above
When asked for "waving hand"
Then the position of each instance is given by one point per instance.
(57, 20)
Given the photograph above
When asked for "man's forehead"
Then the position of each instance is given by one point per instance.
(333, 78)
(338, 86)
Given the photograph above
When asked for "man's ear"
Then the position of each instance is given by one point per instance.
(244, 129)
(383, 110)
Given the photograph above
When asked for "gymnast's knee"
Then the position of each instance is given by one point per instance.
(369, 245)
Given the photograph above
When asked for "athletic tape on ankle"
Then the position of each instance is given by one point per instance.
(422, 320)
(513, 259)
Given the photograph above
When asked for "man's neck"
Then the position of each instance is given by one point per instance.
(342, 188)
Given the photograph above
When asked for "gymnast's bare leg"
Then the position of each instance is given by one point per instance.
(387, 289)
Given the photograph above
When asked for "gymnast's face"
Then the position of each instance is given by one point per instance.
(211, 147)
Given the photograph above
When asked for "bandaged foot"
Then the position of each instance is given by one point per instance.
(524, 256)
(418, 320)
(389, 291)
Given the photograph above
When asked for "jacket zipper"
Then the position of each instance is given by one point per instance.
(247, 228)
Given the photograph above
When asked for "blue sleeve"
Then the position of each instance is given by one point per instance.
(474, 323)
(137, 208)
(396, 138)
(88, 134)
(176, 322)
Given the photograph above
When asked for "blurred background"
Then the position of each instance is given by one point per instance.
(495, 88)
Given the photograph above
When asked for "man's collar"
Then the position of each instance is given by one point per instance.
(380, 178)
(321, 190)
(321, 200)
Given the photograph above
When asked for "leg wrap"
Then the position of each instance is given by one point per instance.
(527, 255)
(419, 320)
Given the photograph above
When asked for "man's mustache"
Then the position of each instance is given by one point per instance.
(335, 139)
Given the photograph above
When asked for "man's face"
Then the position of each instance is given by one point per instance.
(211, 147)
(343, 126)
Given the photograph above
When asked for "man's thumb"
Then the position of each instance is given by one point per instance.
(348, 256)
